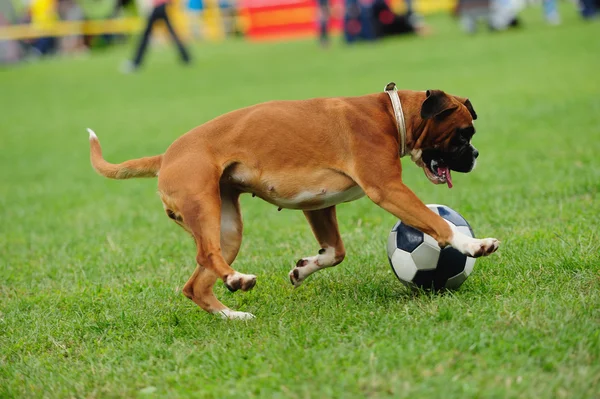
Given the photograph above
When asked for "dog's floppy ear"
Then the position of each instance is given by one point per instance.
(467, 103)
(437, 105)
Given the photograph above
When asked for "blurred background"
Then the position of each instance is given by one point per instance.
(91, 269)
(33, 29)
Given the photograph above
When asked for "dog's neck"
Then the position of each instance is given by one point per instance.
(415, 125)
(410, 126)
(392, 91)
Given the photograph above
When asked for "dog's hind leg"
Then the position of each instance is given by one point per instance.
(231, 224)
(215, 222)
(325, 228)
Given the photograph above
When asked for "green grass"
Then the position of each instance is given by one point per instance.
(91, 270)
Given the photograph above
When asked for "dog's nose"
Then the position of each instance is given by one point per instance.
(475, 153)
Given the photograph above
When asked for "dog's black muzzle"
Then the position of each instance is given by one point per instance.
(461, 159)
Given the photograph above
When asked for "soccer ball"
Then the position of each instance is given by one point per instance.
(418, 261)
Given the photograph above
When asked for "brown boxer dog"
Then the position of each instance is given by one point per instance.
(309, 155)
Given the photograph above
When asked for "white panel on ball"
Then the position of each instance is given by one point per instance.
(391, 244)
(403, 265)
(425, 256)
(430, 240)
(465, 230)
(469, 266)
(434, 207)
(456, 281)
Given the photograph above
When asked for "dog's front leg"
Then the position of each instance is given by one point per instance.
(395, 197)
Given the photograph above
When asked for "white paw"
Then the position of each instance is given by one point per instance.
(228, 314)
(240, 281)
(483, 247)
(473, 247)
(307, 266)
(304, 268)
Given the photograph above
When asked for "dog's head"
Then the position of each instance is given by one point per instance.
(445, 143)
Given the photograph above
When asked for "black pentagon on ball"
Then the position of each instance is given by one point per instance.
(450, 263)
(407, 238)
(452, 216)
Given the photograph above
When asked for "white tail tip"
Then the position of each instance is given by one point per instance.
(92, 134)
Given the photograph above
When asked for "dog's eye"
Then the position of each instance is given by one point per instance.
(458, 140)
(466, 133)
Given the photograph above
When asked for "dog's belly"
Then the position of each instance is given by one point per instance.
(298, 189)
(310, 200)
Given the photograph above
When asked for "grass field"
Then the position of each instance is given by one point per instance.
(91, 270)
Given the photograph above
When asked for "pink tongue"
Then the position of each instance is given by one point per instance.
(446, 172)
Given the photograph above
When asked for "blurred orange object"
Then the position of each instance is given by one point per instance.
(277, 19)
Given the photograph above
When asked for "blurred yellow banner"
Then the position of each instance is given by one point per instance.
(55, 28)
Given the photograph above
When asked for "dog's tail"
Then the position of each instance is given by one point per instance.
(141, 167)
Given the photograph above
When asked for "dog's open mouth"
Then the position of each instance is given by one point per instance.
(437, 172)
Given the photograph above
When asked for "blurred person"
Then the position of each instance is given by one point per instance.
(44, 14)
(498, 14)
(159, 12)
(549, 8)
(324, 15)
(194, 10)
(588, 8)
(358, 21)
(504, 14)
(69, 10)
(470, 11)
(551, 12)
(388, 23)
(10, 52)
(228, 14)
(371, 21)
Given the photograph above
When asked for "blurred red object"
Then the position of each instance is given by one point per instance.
(285, 19)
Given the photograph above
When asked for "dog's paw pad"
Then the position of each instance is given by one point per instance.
(304, 268)
(295, 277)
(486, 246)
(239, 281)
